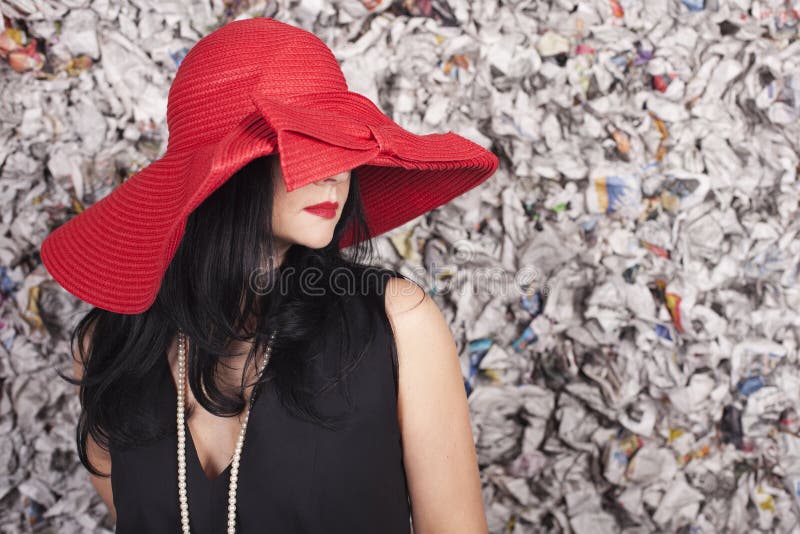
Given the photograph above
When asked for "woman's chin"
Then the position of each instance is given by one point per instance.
(316, 241)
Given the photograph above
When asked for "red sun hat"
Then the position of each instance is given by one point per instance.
(252, 88)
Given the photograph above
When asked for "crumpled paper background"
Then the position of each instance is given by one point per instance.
(623, 292)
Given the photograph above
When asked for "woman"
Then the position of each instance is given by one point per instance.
(313, 393)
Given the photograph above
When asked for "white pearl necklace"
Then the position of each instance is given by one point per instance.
(234, 476)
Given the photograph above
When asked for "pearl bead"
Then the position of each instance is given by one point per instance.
(234, 476)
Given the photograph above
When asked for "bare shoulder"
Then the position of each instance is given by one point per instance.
(421, 331)
(417, 323)
(404, 295)
(438, 446)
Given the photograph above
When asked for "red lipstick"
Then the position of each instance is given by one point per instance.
(323, 209)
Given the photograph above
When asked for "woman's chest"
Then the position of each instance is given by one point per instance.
(294, 475)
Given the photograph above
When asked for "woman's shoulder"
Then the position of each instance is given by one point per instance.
(387, 291)
(405, 301)
(402, 295)
(371, 279)
(395, 292)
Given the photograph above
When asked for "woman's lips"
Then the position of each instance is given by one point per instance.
(323, 209)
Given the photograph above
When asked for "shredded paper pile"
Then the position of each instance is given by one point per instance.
(623, 292)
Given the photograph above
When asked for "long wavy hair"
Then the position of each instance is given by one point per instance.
(221, 287)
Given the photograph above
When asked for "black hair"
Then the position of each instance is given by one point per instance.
(212, 291)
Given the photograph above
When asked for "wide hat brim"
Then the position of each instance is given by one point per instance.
(114, 254)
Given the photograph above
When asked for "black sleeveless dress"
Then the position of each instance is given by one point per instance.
(294, 476)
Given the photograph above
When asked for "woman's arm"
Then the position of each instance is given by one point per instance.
(438, 445)
(98, 456)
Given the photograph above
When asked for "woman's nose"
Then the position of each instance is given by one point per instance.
(333, 180)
